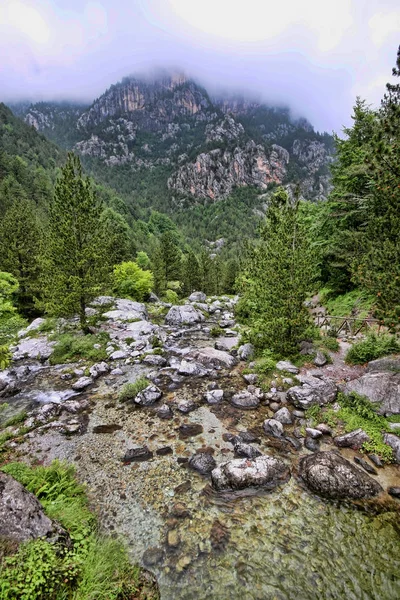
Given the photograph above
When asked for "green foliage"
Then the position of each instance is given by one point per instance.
(130, 281)
(372, 347)
(71, 348)
(93, 568)
(130, 390)
(358, 412)
(266, 364)
(314, 413)
(5, 357)
(216, 331)
(171, 297)
(143, 261)
(16, 420)
(117, 237)
(330, 343)
(277, 279)
(75, 265)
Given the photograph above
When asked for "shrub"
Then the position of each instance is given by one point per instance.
(70, 348)
(130, 281)
(331, 343)
(216, 331)
(16, 419)
(358, 412)
(5, 357)
(373, 346)
(171, 297)
(130, 390)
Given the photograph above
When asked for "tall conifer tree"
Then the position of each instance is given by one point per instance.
(75, 265)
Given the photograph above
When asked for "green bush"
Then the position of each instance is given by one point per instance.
(171, 297)
(71, 348)
(372, 347)
(130, 390)
(130, 281)
(330, 343)
(5, 357)
(358, 412)
(216, 331)
(16, 419)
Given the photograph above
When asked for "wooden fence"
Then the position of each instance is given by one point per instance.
(347, 325)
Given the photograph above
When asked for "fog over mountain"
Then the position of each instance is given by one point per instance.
(315, 56)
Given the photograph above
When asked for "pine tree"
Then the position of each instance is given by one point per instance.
(278, 278)
(75, 265)
(190, 273)
(20, 237)
(378, 270)
(118, 244)
(229, 278)
(172, 256)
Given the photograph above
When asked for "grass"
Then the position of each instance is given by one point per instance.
(355, 302)
(372, 347)
(15, 420)
(216, 331)
(71, 348)
(330, 343)
(94, 567)
(129, 391)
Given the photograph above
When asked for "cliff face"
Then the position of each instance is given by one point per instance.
(209, 145)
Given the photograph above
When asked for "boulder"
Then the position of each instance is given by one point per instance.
(82, 383)
(183, 315)
(202, 462)
(214, 396)
(34, 348)
(165, 412)
(285, 365)
(212, 358)
(273, 428)
(330, 475)
(283, 416)
(118, 355)
(241, 473)
(137, 455)
(320, 359)
(32, 327)
(246, 352)
(197, 297)
(186, 406)
(355, 439)
(155, 359)
(243, 450)
(314, 390)
(394, 442)
(99, 369)
(245, 400)
(311, 444)
(148, 396)
(251, 378)
(382, 388)
(191, 368)
(22, 516)
(315, 434)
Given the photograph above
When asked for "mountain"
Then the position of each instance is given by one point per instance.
(167, 141)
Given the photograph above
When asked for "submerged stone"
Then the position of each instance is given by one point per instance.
(137, 455)
(330, 475)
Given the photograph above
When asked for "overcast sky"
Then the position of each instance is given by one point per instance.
(314, 55)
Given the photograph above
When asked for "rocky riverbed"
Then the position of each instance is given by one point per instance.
(221, 488)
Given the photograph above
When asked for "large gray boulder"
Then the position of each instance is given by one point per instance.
(330, 475)
(22, 516)
(240, 473)
(34, 348)
(314, 390)
(246, 352)
(127, 310)
(212, 358)
(245, 400)
(183, 315)
(381, 384)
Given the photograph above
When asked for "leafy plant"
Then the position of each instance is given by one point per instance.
(372, 347)
(130, 390)
(16, 419)
(70, 348)
(216, 331)
(5, 357)
(358, 412)
(330, 343)
(171, 297)
(130, 281)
